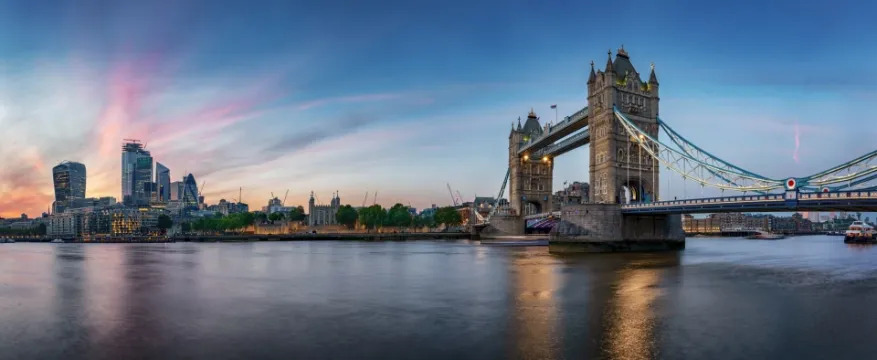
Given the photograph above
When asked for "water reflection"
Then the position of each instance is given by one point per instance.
(535, 320)
(630, 319)
(69, 299)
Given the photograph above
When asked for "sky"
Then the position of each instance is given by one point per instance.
(404, 97)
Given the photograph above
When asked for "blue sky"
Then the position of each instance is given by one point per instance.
(401, 97)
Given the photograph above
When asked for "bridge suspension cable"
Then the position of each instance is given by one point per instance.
(856, 170)
(505, 181)
(704, 168)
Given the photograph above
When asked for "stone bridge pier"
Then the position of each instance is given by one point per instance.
(589, 228)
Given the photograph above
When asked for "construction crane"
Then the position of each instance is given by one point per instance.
(375, 201)
(284, 198)
(365, 200)
(201, 192)
(453, 199)
(459, 197)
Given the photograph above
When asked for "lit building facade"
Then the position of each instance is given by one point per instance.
(69, 181)
(319, 215)
(137, 180)
(163, 182)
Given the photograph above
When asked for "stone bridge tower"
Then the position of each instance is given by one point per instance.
(620, 171)
(529, 179)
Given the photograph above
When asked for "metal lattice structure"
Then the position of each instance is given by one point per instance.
(694, 163)
(698, 165)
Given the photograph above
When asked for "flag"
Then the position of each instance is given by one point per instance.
(554, 106)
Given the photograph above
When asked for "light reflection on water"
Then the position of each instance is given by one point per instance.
(436, 300)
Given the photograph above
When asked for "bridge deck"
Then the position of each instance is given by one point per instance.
(562, 147)
(569, 125)
(833, 201)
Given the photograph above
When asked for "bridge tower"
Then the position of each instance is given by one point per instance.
(620, 171)
(529, 179)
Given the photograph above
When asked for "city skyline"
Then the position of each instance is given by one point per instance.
(402, 98)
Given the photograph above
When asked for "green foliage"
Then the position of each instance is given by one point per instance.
(373, 216)
(37, 230)
(297, 214)
(398, 215)
(186, 227)
(231, 222)
(347, 216)
(262, 217)
(165, 222)
(449, 216)
(275, 216)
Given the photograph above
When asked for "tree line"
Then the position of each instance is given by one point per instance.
(371, 217)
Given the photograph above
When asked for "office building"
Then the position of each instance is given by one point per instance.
(163, 182)
(137, 180)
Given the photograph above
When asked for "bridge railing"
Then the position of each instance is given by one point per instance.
(838, 195)
(715, 200)
(755, 198)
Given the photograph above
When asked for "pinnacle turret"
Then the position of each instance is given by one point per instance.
(609, 67)
(593, 76)
(652, 78)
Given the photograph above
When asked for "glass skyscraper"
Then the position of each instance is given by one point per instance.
(163, 181)
(137, 180)
(69, 180)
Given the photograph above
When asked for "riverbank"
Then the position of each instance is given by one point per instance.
(253, 238)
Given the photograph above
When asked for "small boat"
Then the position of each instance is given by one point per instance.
(57, 241)
(6, 240)
(764, 235)
(860, 233)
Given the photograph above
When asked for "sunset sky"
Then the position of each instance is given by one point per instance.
(402, 97)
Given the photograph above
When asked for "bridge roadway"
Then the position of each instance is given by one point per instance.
(566, 127)
(852, 201)
(826, 201)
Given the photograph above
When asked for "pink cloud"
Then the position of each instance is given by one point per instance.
(797, 142)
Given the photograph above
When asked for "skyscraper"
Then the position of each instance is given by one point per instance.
(190, 192)
(176, 191)
(69, 180)
(137, 181)
(163, 181)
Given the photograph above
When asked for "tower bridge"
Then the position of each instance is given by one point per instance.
(626, 212)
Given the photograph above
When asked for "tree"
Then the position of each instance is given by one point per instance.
(347, 216)
(297, 214)
(275, 216)
(262, 217)
(398, 215)
(41, 229)
(372, 216)
(186, 227)
(164, 223)
(449, 216)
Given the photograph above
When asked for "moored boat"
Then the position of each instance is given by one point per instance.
(860, 233)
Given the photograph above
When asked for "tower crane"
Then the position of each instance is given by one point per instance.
(453, 199)
(364, 200)
(283, 204)
(375, 201)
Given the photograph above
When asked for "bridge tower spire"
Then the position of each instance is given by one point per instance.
(619, 170)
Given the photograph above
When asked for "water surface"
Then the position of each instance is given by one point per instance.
(799, 298)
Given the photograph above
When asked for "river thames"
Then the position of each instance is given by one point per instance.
(809, 297)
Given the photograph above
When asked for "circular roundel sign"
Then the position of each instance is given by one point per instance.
(791, 183)
(825, 190)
